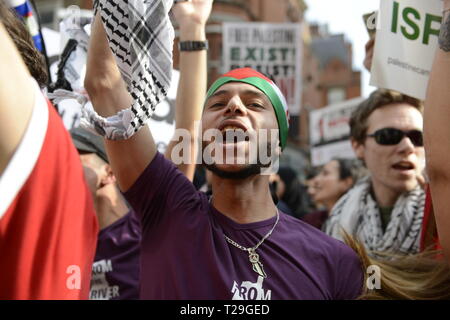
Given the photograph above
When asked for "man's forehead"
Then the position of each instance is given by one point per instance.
(396, 115)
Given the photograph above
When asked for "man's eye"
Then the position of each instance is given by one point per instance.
(255, 105)
(217, 105)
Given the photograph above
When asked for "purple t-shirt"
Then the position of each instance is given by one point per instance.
(115, 272)
(184, 254)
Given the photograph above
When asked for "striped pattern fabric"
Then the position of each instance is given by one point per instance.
(24, 10)
(358, 214)
(140, 36)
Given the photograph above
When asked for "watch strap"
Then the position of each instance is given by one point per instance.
(193, 45)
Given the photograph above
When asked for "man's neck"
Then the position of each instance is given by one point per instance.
(244, 201)
(110, 207)
(384, 197)
(330, 204)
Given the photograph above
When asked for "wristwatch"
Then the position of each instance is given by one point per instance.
(193, 45)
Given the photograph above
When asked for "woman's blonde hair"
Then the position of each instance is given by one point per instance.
(423, 276)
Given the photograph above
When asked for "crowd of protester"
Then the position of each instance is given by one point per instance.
(90, 217)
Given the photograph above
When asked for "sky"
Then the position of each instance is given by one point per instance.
(345, 16)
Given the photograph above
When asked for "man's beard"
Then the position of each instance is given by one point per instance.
(244, 173)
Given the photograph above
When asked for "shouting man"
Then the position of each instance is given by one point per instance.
(235, 245)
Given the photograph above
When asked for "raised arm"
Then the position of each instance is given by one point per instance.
(108, 93)
(437, 133)
(191, 17)
(16, 98)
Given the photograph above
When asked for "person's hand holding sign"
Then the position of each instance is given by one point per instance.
(370, 47)
(370, 21)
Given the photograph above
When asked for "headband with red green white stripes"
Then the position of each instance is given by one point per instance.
(267, 86)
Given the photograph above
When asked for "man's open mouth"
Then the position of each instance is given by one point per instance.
(234, 135)
(234, 132)
(404, 166)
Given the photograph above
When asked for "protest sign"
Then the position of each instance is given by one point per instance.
(274, 49)
(406, 41)
(330, 131)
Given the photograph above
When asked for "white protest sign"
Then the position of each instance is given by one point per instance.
(332, 122)
(330, 131)
(405, 44)
(274, 49)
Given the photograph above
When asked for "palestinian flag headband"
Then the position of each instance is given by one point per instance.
(267, 86)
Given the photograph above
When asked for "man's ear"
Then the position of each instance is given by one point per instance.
(358, 148)
(109, 177)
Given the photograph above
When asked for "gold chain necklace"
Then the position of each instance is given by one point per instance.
(252, 255)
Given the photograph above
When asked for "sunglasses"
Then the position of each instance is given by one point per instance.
(391, 136)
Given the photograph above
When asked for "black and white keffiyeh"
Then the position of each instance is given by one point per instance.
(140, 36)
(358, 214)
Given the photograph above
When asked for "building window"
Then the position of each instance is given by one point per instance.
(336, 95)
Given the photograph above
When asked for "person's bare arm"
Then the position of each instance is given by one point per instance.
(437, 133)
(192, 17)
(108, 93)
(17, 95)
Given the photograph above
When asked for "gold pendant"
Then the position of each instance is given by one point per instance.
(257, 265)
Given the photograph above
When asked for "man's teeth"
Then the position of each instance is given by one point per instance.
(233, 134)
(403, 166)
(231, 128)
